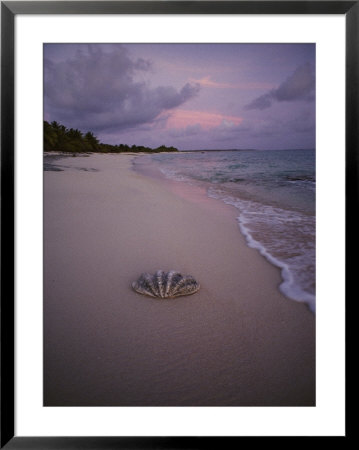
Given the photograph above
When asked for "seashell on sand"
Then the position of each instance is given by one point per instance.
(165, 284)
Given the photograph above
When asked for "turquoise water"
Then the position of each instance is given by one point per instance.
(274, 192)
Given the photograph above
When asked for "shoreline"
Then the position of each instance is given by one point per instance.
(236, 342)
(194, 192)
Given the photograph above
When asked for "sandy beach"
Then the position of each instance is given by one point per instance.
(236, 342)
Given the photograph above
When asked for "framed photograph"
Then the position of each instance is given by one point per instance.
(176, 180)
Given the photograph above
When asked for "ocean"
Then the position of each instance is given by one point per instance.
(274, 193)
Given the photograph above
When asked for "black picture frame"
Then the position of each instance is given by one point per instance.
(9, 9)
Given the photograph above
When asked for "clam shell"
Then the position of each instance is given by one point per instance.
(165, 284)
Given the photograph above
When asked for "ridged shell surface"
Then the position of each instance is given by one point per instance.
(165, 284)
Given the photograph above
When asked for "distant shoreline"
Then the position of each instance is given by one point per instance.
(63, 152)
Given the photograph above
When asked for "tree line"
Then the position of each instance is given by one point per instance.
(59, 138)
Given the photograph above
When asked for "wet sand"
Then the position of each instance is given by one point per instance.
(236, 342)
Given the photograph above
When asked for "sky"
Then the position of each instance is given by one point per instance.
(190, 96)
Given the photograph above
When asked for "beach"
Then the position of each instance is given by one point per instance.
(238, 341)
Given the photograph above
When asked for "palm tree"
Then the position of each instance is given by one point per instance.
(91, 141)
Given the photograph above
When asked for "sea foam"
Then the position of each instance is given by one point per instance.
(275, 243)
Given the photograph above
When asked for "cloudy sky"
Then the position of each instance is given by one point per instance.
(191, 96)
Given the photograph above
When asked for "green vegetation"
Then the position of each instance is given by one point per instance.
(61, 139)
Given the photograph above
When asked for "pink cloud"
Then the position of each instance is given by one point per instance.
(207, 82)
(181, 118)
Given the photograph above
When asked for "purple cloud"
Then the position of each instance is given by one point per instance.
(298, 86)
(103, 91)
